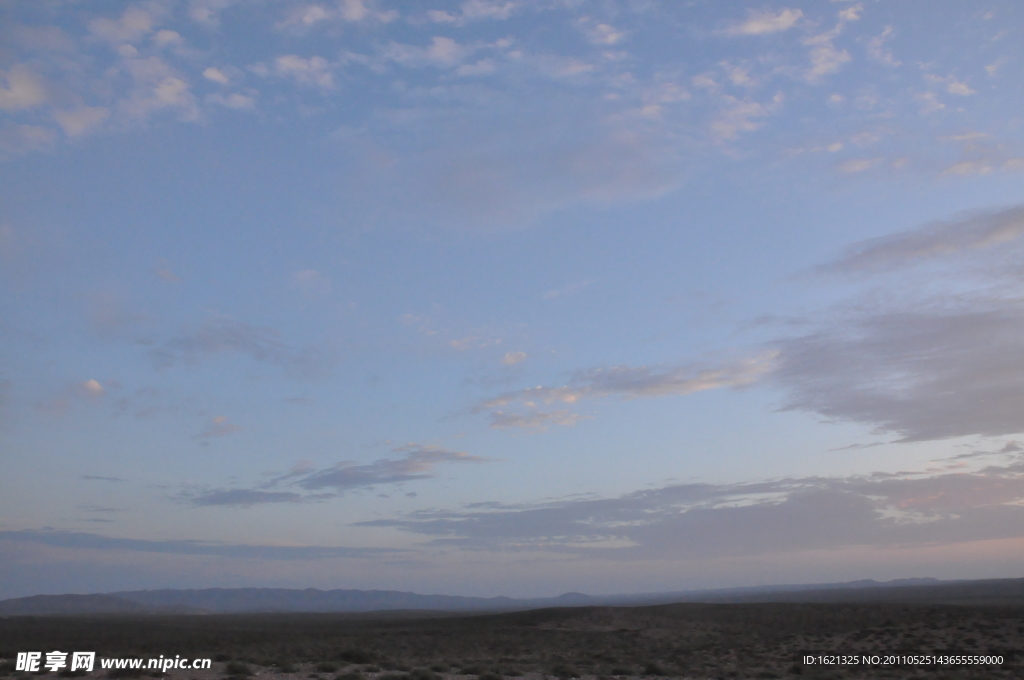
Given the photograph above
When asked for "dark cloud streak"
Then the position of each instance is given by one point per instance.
(707, 521)
(418, 463)
(87, 541)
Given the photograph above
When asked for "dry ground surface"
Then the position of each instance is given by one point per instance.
(595, 643)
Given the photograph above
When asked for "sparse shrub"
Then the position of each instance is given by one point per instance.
(423, 674)
(767, 674)
(372, 669)
(313, 675)
(440, 668)
(471, 670)
(654, 669)
(564, 672)
(6, 667)
(622, 671)
(351, 675)
(125, 673)
(327, 667)
(221, 657)
(355, 656)
(796, 669)
(489, 676)
(394, 676)
(237, 668)
(285, 667)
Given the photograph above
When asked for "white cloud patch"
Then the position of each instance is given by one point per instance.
(488, 9)
(79, 121)
(21, 88)
(92, 388)
(474, 10)
(825, 58)
(219, 426)
(166, 37)
(311, 282)
(851, 13)
(742, 115)
(313, 71)
(536, 420)
(599, 33)
(566, 290)
(442, 52)
(73, 395)
(513, 358)
(305, 16)
(763, 22)
(356, 10)
(960, 88)
(207, 12)
(480, 68)
(135, 23)
(233, 100)
(216, 75)
(472, 342)
(858, 165)
(951, 85)
(157, 87)
(877, 50)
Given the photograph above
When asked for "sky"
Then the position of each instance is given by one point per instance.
(509, 297)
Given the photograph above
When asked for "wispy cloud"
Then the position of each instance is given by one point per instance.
(763, 22)
(877, 50)
(536, 420)
(971, 232)
(245, 498)
(627, 382)
(220, 335)
(418, 462)
(566, 290)
(86, 541)
(76, 393)
(942, 358)
(304, 16)
(930, 373)
(219, 426)
(709, 521)
(513, 358)
(825, 57)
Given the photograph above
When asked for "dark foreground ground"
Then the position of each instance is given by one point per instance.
(670, 641)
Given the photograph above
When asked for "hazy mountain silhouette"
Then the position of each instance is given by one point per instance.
(46, 605)
(246, 600)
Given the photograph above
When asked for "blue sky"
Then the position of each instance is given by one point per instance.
(509, 296)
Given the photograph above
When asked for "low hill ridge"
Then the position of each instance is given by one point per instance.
(253, 600)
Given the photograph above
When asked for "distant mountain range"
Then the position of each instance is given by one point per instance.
(252, 600)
